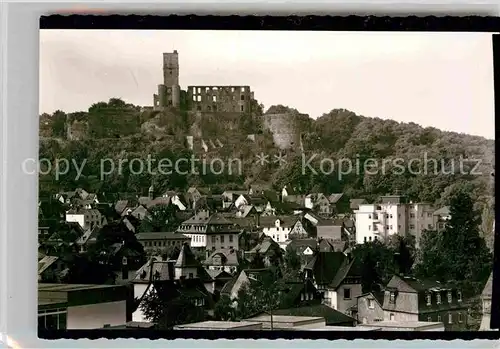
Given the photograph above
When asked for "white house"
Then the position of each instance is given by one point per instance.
(88, 219)
(280, 228)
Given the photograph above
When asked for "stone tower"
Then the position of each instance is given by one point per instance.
(169, 92)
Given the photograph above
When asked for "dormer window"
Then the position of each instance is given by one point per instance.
(428, 299)
(392, 298)
(438, 298)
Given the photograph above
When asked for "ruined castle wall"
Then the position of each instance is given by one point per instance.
(284, 130)
(219, 98)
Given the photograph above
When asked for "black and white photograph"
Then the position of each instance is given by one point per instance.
(265, 180)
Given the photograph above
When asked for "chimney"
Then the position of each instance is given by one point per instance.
(171, 271)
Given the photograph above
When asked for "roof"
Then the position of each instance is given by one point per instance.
(378, 296)
(217, 324)
(161, 236)
(230, 257)
(330, 268)
(403, 324)
(228, 286)
(285, 221)
(214, 274)
(333, 198)
(301, 245)
(413, 285)
(264, 246)
(330, 315)
(72, 287)
(488, 288)
(186, 258)
(159, 268)
(45, 263)
(354, 203)
(443, 211)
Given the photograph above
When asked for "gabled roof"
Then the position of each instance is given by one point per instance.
(330, 268)
(159, 268)
(377, 296)
(300, 245)
(333, 198)
(354, 203)
(264, 246)
(230, 257)
(218, 274)
(186, 258)
(443, 211)
(488, 288)
(45, 263)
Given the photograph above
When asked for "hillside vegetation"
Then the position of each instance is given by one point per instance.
(117, 130)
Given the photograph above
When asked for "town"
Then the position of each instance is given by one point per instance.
(259, 255)
(230, 261)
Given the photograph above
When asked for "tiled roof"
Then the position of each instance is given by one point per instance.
(302, 244)
(186, 258)
(330, 268)
(45, 263)
(160, 268)
(230, 257)
(413, 285)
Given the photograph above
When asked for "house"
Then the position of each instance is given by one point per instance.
(338, 276)
(210, 232)
(139, 212)
(171, 279)
(50, 268)
(161, 241)
(223, 260)
(229, 197)
(325, 245)
(329, 230)
(304, 247)
(340, 203)
(410, 299)
(260, 202)
(268, 249)
(71, 307)
(121, 205)
(197, 192)
(282, 228)
(486, 297)
(368, 309)
(44, 232)
(319, 203)
(355, 203)
(87, 218)
(259, 189)
(232, 287)
(441, 216)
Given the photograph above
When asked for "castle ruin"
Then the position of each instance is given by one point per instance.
(235, 99)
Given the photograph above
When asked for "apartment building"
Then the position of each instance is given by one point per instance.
(393, 215)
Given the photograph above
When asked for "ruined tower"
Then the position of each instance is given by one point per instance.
(169, 92)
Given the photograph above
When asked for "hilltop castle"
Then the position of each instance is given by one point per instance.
(235, 99)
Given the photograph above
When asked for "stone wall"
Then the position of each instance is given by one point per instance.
(284, 129)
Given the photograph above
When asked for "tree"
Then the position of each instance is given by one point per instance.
(167, 310)
(404, 248)
(459, 252)
(293, 263)
(224, 309)
(162, 218)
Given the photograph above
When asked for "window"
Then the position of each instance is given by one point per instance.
(213, 239)
(391, 215)
(364, 239)
(428, 299)
(412, 226)
(230, 238)
(390, 227)
(459, 296)
(391, 317)
(386, 216)
(369, 216)
(460, 318)
(241, 108)
(392, 298)
(387, 227)
(371, 304)
(301, 296)
(222, 239)
(438, 298)
(230, 247)
(347, 293)
(429, 215)
(439, 318)
(429, 226)
(449, 297)
(242, 97)
(429, 319)
(450, 318)
(286, 236)
(191, 275)
(412, 215)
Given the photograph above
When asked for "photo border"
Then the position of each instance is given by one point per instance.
(19, 140)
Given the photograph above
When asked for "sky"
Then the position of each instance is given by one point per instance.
(444, 80)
